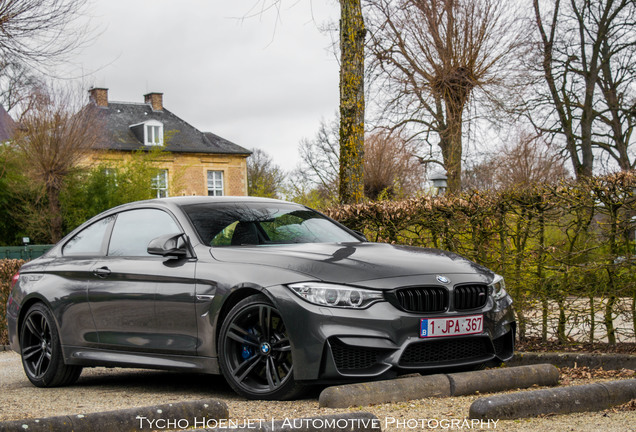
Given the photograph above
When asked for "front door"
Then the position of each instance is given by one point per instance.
(143, 302)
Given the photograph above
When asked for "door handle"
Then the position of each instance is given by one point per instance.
(101, 272)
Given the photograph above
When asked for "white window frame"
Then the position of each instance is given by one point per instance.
(159, 183)
(153, 133)
(216, 184)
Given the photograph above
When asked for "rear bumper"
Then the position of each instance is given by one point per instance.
(331, 344)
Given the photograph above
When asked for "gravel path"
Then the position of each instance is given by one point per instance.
(102, 389)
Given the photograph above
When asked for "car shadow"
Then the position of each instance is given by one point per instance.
(142, 381)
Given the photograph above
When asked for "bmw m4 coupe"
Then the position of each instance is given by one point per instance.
(272, 295)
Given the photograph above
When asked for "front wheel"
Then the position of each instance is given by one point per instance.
(255, 351)
(41, 351)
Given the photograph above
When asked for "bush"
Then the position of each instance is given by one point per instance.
(8, 268)
(557, 245)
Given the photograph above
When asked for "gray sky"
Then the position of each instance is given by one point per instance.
(263, 82)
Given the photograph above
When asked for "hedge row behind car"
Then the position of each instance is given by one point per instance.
(8, 268)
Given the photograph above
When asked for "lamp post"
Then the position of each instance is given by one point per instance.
(439, 183)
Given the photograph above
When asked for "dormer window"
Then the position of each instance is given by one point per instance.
(153, 133)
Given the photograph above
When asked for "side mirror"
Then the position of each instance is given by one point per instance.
(174, 245)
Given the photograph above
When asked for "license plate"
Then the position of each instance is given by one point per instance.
(436, 327)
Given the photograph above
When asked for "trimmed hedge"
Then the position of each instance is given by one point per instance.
(8, 267)
(566, 250)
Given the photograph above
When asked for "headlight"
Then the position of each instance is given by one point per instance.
(498, 287)
(331, 295)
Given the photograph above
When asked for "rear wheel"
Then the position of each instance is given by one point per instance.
(255, 351)
(41, 351)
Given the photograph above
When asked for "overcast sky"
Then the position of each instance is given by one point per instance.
(262, 82)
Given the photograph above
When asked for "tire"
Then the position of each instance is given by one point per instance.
(41, 352)
(255, 352)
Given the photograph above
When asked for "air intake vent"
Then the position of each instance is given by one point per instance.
(422, 299)
(470, 296)
(351, 358)
(446, 351)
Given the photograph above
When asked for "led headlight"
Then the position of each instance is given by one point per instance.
(498, 287)
(332, 295)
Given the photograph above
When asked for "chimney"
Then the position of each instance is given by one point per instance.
(155, 100)
(99, 96)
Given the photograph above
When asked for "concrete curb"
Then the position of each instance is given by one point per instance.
(354, 422)
(563, 400)
(378, 392)
(597, 361)
(441, 385)
(495, 380)
(126, 420)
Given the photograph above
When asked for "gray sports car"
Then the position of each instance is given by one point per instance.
(272, 295)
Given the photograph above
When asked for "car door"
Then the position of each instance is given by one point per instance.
(70, 275)
(142, 302)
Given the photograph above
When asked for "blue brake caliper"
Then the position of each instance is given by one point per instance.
(248, 351)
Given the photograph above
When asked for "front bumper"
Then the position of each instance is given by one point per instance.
(333, 344)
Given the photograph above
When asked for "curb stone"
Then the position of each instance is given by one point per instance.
(441, 385)
(595, 361)
(125, 420)
(562, 400)
(377, 392)
(354, 422)
(496, 380)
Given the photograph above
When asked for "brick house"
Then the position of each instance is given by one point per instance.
(196, 163)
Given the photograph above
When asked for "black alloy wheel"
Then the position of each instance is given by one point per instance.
(255, 351)
(41, 351)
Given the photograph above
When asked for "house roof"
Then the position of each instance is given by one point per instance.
(7, 125)
(180, 136)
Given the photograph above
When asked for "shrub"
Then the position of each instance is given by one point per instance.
(8, 267)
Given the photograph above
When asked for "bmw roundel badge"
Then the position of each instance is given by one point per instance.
(443, 279)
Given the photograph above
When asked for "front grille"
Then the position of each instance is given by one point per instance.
(470, 296)
(349, 357)
(445, 351)
(422, 299)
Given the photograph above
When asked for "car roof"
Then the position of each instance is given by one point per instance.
(181, 201)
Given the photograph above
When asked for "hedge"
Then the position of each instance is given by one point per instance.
(566, 250)
(8, 267)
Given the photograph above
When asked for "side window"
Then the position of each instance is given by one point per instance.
(134, 229)
(89, 241)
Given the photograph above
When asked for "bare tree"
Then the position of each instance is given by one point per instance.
(39, 31)
(431, 57)
(586, 52)
(54, 138)
(390, 167)
(18, 85)
(528, 160)
(264, 178)
(320, 157)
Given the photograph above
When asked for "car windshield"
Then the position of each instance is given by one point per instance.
(236, 224)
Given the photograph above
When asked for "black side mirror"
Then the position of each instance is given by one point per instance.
(174, 245)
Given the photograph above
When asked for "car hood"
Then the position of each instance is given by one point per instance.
(351, 262)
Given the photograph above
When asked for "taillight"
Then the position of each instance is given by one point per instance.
(14, 279)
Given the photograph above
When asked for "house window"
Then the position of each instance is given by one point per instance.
(154, 133)
(215, 183)
(159, 183)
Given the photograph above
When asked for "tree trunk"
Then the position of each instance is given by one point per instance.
(352, 33)
(55, 213)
